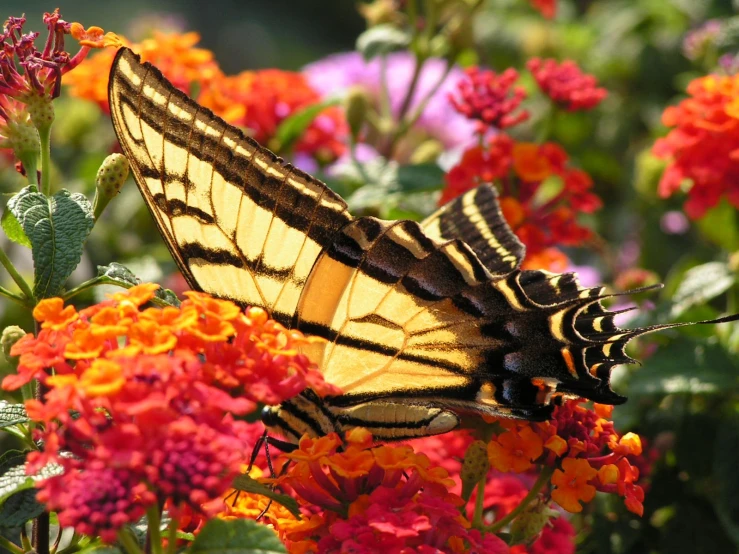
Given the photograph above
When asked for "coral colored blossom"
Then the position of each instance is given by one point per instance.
(261, 100)
(572, 484)
(154, 405)
(702, 146)
(520, 169)
(515, 450)
(566, 84)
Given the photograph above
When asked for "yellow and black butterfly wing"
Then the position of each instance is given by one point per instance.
(239, 223)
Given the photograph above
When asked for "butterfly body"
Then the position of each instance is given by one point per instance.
(424, 322)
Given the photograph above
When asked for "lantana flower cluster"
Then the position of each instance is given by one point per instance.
(702, 147)
(257, 101)
(139, 404)
(363, 498)
(541, 194)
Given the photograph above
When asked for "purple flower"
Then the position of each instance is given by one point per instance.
(697, 42)
(337, 73)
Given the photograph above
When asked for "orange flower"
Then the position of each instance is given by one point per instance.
(174, 54)
(351, 464)
(515, 450)
(102, 378)
(572, 484)
(311, 449)
(703, 146)
(551, 259)
(529, 163)
(52, 314)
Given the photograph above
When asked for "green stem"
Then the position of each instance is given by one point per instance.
(154, 517)
(10, 546)
(172, 536)
(385, 108)
(126, 538)
(10, 268)
(479, 505)
(17, 298)
(543, 479)
(45, 135)
(547, 124)
(94, 282)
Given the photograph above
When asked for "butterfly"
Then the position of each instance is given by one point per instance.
(425, 323)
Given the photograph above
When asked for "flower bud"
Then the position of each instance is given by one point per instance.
(527, 526)
(427, 152)
(357, 105)
(474, 468)
(112, 174)
(10, 336)
(379, 12)
(41, 110)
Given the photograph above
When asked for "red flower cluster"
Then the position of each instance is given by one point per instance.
(490, 99)
(368, 499)
(540, 194)
(261, 100)
(152, 392)
(703, 146)
(566, 84)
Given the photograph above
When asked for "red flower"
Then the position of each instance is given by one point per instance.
(703, 146)
(490, 99)
(547, 8)
(566, 84)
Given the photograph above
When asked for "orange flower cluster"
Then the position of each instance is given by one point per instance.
(261, 100)
(540, 194)
(364, 499)
(256, 100)
(153, 392)
(574, 441)
(703, 145)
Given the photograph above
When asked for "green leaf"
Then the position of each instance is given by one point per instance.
(382, 39)
(720, 226)
(19, 508)
(293, 127)
(686, 366)
(57, 227)
(167, 296)
(236, 536)
(12, 414)
(420, 178)
(13, 229)
(15, 479)
(725, 464)
(247, 484)
(700, 284)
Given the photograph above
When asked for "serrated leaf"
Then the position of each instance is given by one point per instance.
(686, 366)
(725, 464)
(57, 228)
(12, 414)
(382, 39)
(116, 273)
(420, 177)
(13, 229)
(247, 484)
(15, 479)
(236, 536)
(700, 284)
(19, 508)
(293, 127)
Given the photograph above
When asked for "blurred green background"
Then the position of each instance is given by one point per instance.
(243, 34)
